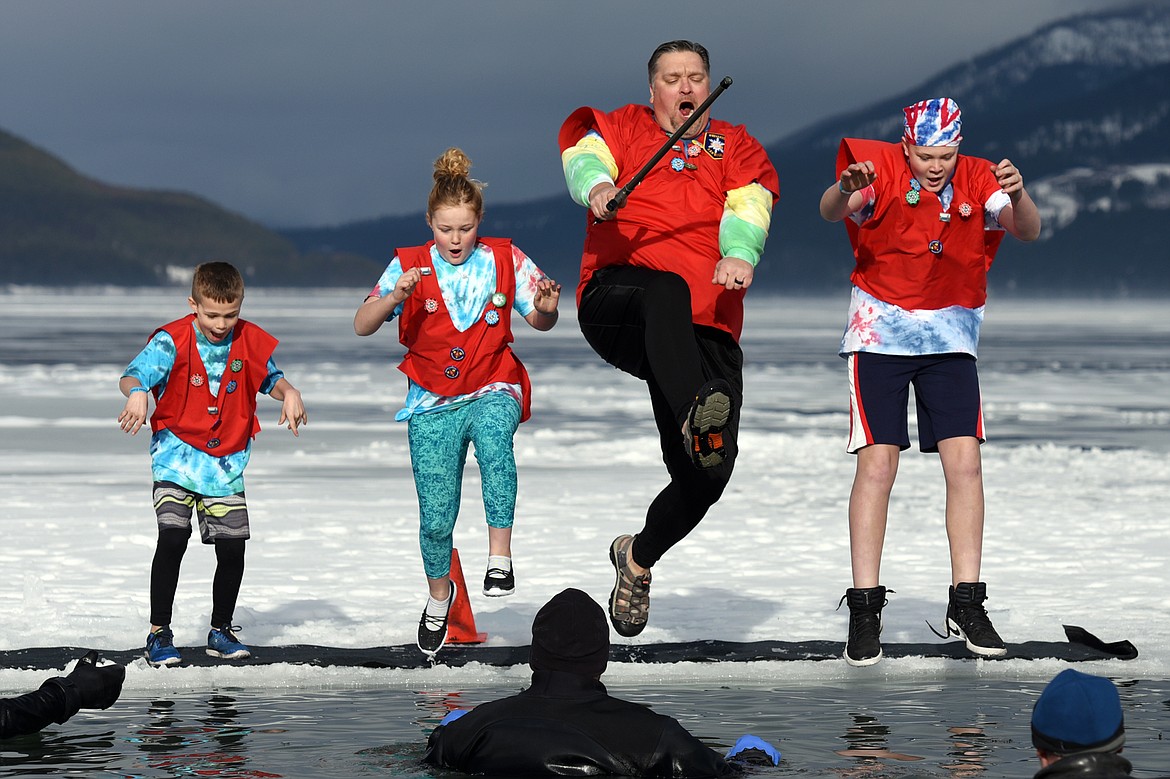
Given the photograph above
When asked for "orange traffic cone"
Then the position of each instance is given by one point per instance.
(461, 622)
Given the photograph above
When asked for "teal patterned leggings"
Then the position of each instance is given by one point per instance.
(438, 452)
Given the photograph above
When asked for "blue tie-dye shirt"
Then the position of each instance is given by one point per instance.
(173, 459)
(877, 326)
(466, 289)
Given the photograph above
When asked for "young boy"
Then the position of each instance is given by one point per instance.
(204, 371)
(925, 224)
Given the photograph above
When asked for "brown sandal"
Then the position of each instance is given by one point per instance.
(707, 424)
(629, 602)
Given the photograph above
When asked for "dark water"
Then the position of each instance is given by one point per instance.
(859, 728)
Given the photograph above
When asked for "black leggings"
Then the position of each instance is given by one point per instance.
(639, 320)
(164, 576)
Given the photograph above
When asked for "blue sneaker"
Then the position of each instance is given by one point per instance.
(222, 642)
(160, 648)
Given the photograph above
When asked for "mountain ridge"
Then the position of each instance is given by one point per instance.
(58, 226)
(1080, 105)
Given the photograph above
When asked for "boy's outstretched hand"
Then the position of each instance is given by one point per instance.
(133, 414)
(1023, 219)
(292, 409)
(1008, 176)
(857, 176)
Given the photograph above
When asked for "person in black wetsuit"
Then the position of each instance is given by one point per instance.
(566, 723)
(87, 687)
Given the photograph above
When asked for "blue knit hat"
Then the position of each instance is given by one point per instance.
(1078, 712)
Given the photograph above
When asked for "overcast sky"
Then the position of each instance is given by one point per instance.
(299, 113)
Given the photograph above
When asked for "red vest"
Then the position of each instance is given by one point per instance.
(671, 220)
(892, 247)
(445, 361)
(217, 425)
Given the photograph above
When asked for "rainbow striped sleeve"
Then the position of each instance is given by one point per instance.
(747, 214)
(588, 163)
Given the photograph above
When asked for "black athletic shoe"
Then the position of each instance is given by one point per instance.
(629, 602)
(432, 631)
(499, 582)
(863, 648)
(967, 619)
(707, 437)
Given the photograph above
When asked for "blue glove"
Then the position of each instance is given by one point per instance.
(453, 715)
(753, 749)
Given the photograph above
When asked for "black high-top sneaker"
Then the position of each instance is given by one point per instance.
(967, 619)
(865, 624)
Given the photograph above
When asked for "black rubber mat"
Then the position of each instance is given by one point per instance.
(1081, 645)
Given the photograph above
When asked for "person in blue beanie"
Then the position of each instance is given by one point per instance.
(1078, 728)
(566, 723)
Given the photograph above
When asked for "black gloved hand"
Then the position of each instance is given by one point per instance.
(97, 687)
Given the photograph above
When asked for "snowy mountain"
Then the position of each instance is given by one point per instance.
(1082, 106)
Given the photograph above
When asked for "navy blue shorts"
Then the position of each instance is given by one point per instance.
(946, 395)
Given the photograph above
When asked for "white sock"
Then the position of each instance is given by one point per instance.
(438, 608)
(499, 561)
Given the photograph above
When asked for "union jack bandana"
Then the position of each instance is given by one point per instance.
(934, 122)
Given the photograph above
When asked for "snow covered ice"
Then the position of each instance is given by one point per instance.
(1077, 475)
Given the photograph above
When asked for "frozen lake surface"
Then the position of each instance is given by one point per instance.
(1077, 472)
